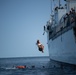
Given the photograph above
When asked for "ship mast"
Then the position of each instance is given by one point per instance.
(59, 4)
(51, 6)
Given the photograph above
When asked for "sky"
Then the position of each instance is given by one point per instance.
(21, 25)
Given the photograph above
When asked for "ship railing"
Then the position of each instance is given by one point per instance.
(61, 28)
(66, 23)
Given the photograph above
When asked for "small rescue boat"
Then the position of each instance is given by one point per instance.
(21, 67)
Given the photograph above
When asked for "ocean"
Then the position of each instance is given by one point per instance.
(34, 66)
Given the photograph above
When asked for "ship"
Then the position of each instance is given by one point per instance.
(61, 32)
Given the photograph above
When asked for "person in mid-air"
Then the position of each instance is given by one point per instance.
(40, 46)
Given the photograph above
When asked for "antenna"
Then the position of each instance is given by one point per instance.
(59, 4)
(51, 6)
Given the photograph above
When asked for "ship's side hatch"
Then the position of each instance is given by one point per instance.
(50, 33)
(74, 29)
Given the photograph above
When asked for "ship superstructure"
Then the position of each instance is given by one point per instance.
(61, 32)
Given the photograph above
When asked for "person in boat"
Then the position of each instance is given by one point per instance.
(40, 46)
(20, 67)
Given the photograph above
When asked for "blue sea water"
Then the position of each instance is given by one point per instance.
(34, 66)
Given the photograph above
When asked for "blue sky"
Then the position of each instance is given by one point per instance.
(21, 24)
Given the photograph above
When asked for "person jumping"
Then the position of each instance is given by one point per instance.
(40, 46)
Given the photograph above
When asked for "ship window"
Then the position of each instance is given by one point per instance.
(50, 32)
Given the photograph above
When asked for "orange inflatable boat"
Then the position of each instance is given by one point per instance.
(21, 67)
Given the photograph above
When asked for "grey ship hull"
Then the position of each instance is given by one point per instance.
(63, 48)
(61, 32)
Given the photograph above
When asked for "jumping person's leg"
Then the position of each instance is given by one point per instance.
(41, 48)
